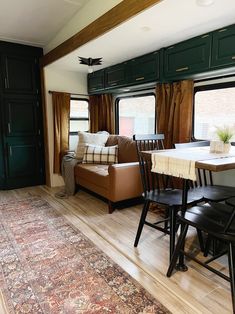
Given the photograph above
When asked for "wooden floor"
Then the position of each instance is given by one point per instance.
(195, 291)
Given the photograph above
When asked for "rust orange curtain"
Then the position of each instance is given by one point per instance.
(102, 117)
(174, 111)
(61, 109)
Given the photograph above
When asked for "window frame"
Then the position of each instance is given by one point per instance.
(132, 96)
(78, 119)
(212, 86)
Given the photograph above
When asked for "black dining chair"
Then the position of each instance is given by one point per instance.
(158, 189)
(217, 220)
(205, 186)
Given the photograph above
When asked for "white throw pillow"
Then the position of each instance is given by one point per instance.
(85, 138)
(104, 155)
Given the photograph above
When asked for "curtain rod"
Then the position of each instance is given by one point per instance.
(52, 91)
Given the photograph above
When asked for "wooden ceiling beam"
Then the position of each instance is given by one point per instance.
(114, 17)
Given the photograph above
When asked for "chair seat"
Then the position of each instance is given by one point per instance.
(173, 197)
(211, 218)
(216, 193)
(231, 201)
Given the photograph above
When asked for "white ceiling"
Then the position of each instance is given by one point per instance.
(35, 22)
(164, 24)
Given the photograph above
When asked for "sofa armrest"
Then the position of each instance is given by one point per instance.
(124, 181)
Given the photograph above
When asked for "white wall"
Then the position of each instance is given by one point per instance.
(63, 81)
(88, 13)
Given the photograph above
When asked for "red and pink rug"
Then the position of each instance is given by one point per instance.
(48, 266)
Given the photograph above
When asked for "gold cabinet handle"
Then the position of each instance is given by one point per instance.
(222, 30)
(181, 69)
(9, 127)
(139, 78)
(233, 57)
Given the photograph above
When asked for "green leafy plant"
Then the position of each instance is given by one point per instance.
(225, 134)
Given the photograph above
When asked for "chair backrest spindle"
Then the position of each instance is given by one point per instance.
(149, 142)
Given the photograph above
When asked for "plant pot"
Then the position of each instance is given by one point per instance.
(219, 147)
(227, 147)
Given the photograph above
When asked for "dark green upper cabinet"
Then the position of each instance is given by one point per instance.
(95, 81)
(188, 57)
(19, 74)
(223, 47)
(115, 75)
(144, 69)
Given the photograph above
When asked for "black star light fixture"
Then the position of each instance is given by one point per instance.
(90, 62)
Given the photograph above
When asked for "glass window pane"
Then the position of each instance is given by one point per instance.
(78, 108)
(213, 108)
(76, 125)
(73, 142)
(137, 115)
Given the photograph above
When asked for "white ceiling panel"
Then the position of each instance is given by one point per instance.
(35, 22)
(166, 23)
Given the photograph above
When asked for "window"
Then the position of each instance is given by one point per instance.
(79, 120)
(214, 105)
(135, 115)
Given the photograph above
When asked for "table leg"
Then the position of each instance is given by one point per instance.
(181, 265)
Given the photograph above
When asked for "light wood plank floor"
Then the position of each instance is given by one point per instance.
(195, 291)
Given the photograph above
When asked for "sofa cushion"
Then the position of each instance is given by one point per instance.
(100, 155)
(126, 148)
(112, 140)
(95, 174)
(89, 138)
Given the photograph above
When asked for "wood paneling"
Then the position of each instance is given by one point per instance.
(117, 15)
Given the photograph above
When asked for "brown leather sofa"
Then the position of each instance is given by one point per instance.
(116, 182)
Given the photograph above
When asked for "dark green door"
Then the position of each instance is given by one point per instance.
(189, 57)
(2, 169)
(22, 142)
(115, 76)
(223, 47)
(19, 74)
(95, 81)
(144, 69)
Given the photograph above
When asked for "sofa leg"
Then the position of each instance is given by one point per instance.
(111, 207)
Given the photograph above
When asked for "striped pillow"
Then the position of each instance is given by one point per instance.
(100, 154)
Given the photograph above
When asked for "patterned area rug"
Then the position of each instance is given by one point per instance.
(48, 266)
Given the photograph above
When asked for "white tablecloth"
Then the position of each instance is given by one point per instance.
(181, 162)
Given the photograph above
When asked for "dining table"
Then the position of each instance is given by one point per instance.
(183, 163)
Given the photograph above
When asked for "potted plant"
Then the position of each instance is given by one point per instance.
(225, 135)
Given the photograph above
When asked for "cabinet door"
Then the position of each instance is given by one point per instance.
(96, 81)
(2, 168)
(189, 57)
(144, 69)
(115, 75)
(223, 47)
(22, 142)
(20, 74)
(20, 117)
(22, 163)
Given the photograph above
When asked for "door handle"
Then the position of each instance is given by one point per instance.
(6, 83)
(9, 127)
(181, 69)
(139, 78)
(10, 151)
